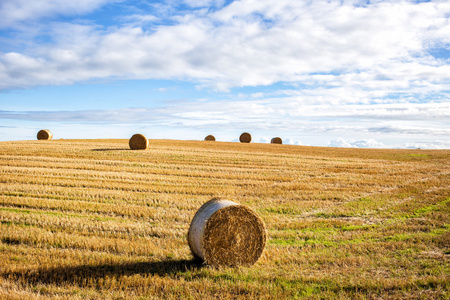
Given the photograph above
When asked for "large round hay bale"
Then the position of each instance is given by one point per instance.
(210, 138)
(276, 140)
(225, 233)
(138, 142)
(44, 134)
(245, 138)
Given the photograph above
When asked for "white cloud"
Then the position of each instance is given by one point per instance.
(276, 116)
(340, 142)
(193, 118)
(14, 12)
(290, 141)
(248, 43)
(204, 3)
(140, 20)
(364, 143)
(412, 129)
(264, 140)
(372, 143)
(436, 144)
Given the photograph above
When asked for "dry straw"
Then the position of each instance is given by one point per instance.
(210, 138)
(245, 138)
(138, 142)
(276, 140)
(44, 134)
(225, 233)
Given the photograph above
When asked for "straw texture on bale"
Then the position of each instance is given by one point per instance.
(245, 138)
(225, 233)
(210, 138)
(138, 142)
(276, 140)
(44, 134)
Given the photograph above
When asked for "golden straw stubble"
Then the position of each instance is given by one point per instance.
(138, 142)
(233, 235)
(245, 137)
(44, 134)
(210, 138)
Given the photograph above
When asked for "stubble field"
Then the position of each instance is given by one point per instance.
(89, 219)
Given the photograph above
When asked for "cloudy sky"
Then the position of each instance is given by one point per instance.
(345, 73)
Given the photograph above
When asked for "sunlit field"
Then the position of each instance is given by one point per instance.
(90, 219)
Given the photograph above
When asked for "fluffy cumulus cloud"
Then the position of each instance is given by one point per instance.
(291, 141)
(244, 43)
(434, 144)
(364, 143)
(204, 3)
(372, 143)
(13, 13)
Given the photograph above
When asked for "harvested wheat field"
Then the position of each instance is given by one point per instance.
(89, 219)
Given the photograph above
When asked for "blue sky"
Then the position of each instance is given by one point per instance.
(322, 73)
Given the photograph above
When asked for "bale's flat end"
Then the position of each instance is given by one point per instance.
(276, 140)
(245, 137)
(234, 236)
(224, 233)
(138, 142)
(44, 134)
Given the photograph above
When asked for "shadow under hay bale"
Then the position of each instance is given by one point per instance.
(245, 138)
(276, 140)
(138, 142)
(82, 274)
(210, 138)
(225, 233)
(44, 134)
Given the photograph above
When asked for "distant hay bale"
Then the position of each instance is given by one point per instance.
(276, 140)
(210, 138)
(44, 134)
(245, 138)
(138, 142)
(225, 233)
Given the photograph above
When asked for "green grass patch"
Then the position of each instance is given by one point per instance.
(399, 237)
(427, 209)
(16, 210)
(301, 242)
(333, 215)
(358, 227)
(440, 231)
(419, 155)
(57, 214)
